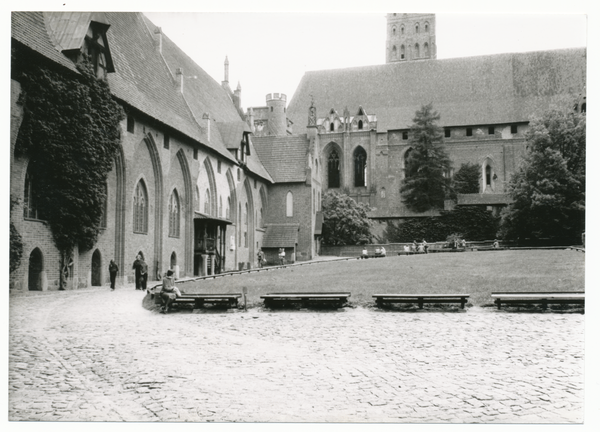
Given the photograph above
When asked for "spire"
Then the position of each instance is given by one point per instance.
(226, 70)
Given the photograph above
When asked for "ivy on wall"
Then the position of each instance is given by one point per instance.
(71, 133)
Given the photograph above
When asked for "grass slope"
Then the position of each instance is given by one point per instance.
(477, 273)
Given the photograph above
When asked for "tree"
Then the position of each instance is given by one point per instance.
(426, 184)
(345, 221)
(548, 189)
(467, 179)
(71, 132)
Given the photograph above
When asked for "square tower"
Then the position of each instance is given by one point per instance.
(410, 37)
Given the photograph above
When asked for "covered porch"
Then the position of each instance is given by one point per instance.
(209, 244)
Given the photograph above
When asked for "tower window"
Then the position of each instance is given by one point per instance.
(402, 52)
(360, 124)
(469, 131)
(332, 127)
(426, 27)
(417, 51)
(417, 28)
(402, 30)
(393, 31)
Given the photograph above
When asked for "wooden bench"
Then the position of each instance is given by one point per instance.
(306, 299)
(541, 298)
(200, 300)
(421, 299)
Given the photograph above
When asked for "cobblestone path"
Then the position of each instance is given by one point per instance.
(97, 355)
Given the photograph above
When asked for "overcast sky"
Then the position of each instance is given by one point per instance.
(269, 52)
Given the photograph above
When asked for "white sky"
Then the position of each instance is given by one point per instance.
(269, 52)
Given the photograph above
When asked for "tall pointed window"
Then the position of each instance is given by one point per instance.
(174, 214)
(140, 209)
(220, 206)
(289, 204)
(417, 51)
(30, 209)
(360, 167)
(246, 226)
(402, 52)
(426, 49)
(333, 170)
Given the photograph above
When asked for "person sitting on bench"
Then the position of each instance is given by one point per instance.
(169, 291)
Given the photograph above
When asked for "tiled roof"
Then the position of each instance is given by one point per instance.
(493, 89)
(281, 235)
(144, 78)
(29, 29)
(483, 199)
(233, 132)
(68, 29)
(284, 157)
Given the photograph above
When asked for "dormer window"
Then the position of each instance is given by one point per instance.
(96, 47)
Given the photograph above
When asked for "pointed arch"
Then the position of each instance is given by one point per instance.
(333, 155)
(120, 208)
(174, 214)
(36, 268)
(250, 218)
(187, 210)
(488, 177)
(404, 159)
(96, 268)
(263, 206)
(140, 208)
(212, 186)
(158, 199)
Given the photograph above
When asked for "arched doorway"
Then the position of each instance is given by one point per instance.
(96, 268)
(173, 260)
(36, 266)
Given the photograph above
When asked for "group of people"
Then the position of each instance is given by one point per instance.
(415, 247)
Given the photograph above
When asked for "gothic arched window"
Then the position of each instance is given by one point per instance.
(30, 209)
(207, 202)
(289, 204)
(402, 52)
(360, 167)
(417, 52)
(174, 214)
(426, 49)
(333, 170)
(360, 124)
(140, 209)
(332, 127)
(417, 28)
(246, 226)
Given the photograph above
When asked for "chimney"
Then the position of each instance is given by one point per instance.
(179, 79)
(158, 39)
(206, 125)
(237, 96)
(250, 119)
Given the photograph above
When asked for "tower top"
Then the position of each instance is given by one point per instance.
(410, 37)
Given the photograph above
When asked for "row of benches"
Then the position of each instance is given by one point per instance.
(339, 299)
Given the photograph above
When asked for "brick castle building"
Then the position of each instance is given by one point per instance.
(200, 186)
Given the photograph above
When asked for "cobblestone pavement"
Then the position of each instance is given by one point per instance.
(97, 355)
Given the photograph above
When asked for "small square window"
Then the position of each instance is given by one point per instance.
(491, 130)
(166, 141)
(405, 135)
(219, 167)
(447, 133)
(469, 131)
(196, 154)
(130, 124)
(513, 129)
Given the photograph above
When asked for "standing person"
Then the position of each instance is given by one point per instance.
(113, 269)
(143, 275)
(137, 266)
(413, 246)
(281, 256)
(261, 258)
(382, 251)
(425, 246)
(169, 291)
(365, 253)
(463, 244)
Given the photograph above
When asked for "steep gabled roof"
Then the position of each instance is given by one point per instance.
(492, 89)
(29, 29)
(284, 157)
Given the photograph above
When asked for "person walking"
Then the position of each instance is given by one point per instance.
(281, 256)
(425, 246)
(137, 266)
(261, 258)
(113, 269)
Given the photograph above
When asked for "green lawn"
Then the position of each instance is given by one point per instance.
(475, 273)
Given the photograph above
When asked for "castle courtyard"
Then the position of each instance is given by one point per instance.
(97, 355)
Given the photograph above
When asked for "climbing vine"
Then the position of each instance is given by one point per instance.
(71, 133)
